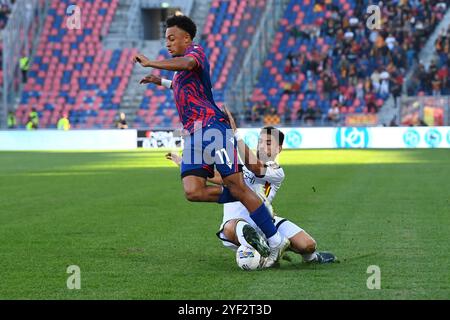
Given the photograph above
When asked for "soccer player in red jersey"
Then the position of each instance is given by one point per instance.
(210, 142)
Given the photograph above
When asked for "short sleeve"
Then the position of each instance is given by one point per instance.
(199, 55)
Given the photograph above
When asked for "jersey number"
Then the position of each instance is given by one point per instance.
(223, 153)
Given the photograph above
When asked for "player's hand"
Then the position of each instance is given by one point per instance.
(140, 58)
(230, 118)
(174, 157)
(151, 79)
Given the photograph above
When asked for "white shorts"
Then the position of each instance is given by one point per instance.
(284, 226)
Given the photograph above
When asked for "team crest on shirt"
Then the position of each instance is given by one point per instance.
(249, 176)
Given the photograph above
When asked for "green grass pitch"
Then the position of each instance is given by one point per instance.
(122, 218)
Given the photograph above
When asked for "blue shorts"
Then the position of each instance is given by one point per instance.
(211, 147)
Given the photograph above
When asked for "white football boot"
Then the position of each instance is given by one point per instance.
(277, 252)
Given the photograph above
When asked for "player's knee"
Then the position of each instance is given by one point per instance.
(310, 245)
(229, 230)
(193, 195)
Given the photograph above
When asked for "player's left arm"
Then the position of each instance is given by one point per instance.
(175, 158)
(186, 63)
(156, 80)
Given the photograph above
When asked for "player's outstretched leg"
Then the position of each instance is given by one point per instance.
(259, 214)
(242, 233)
(305, 245)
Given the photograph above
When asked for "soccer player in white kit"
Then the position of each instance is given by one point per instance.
(265, 177)
(236, 216)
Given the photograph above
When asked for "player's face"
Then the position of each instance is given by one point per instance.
(268, 147)
(177, 41)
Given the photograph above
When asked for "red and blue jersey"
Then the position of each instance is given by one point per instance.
(193, 93)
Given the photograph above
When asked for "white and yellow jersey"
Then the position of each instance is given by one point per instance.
(265, 186)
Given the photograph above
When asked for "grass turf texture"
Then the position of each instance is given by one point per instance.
(122, 218)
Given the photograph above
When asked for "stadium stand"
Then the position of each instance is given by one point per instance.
(324, 63)
(324, 56)
(435, 80)
(72, 73)
(5, 11)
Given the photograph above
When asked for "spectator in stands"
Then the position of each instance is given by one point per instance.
(122, 122)
(5, 11)
(256, 112)
(310, 115)
(300, 114)
(328, 85)
(384, 85)
(24, 66)
(33, 120)
(287, 88)
(423, 78)
(63, 123)
(376, 80)
(371, 102)
(311, 86)
(12, 122)
(288, 66)
(333, 113)
(360, 90)
(391, 42)
(443, 75)
(396, 87)
(410, 54)
(436, 84)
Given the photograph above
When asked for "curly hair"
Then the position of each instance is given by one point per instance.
(183, 22)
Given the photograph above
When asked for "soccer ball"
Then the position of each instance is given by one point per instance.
(248, 258)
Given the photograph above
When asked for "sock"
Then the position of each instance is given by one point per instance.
(274, 240)
(226, 196)
(263, 220)
(309, 257)
(240, 235)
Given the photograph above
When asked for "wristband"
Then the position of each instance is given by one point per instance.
(166, 83)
